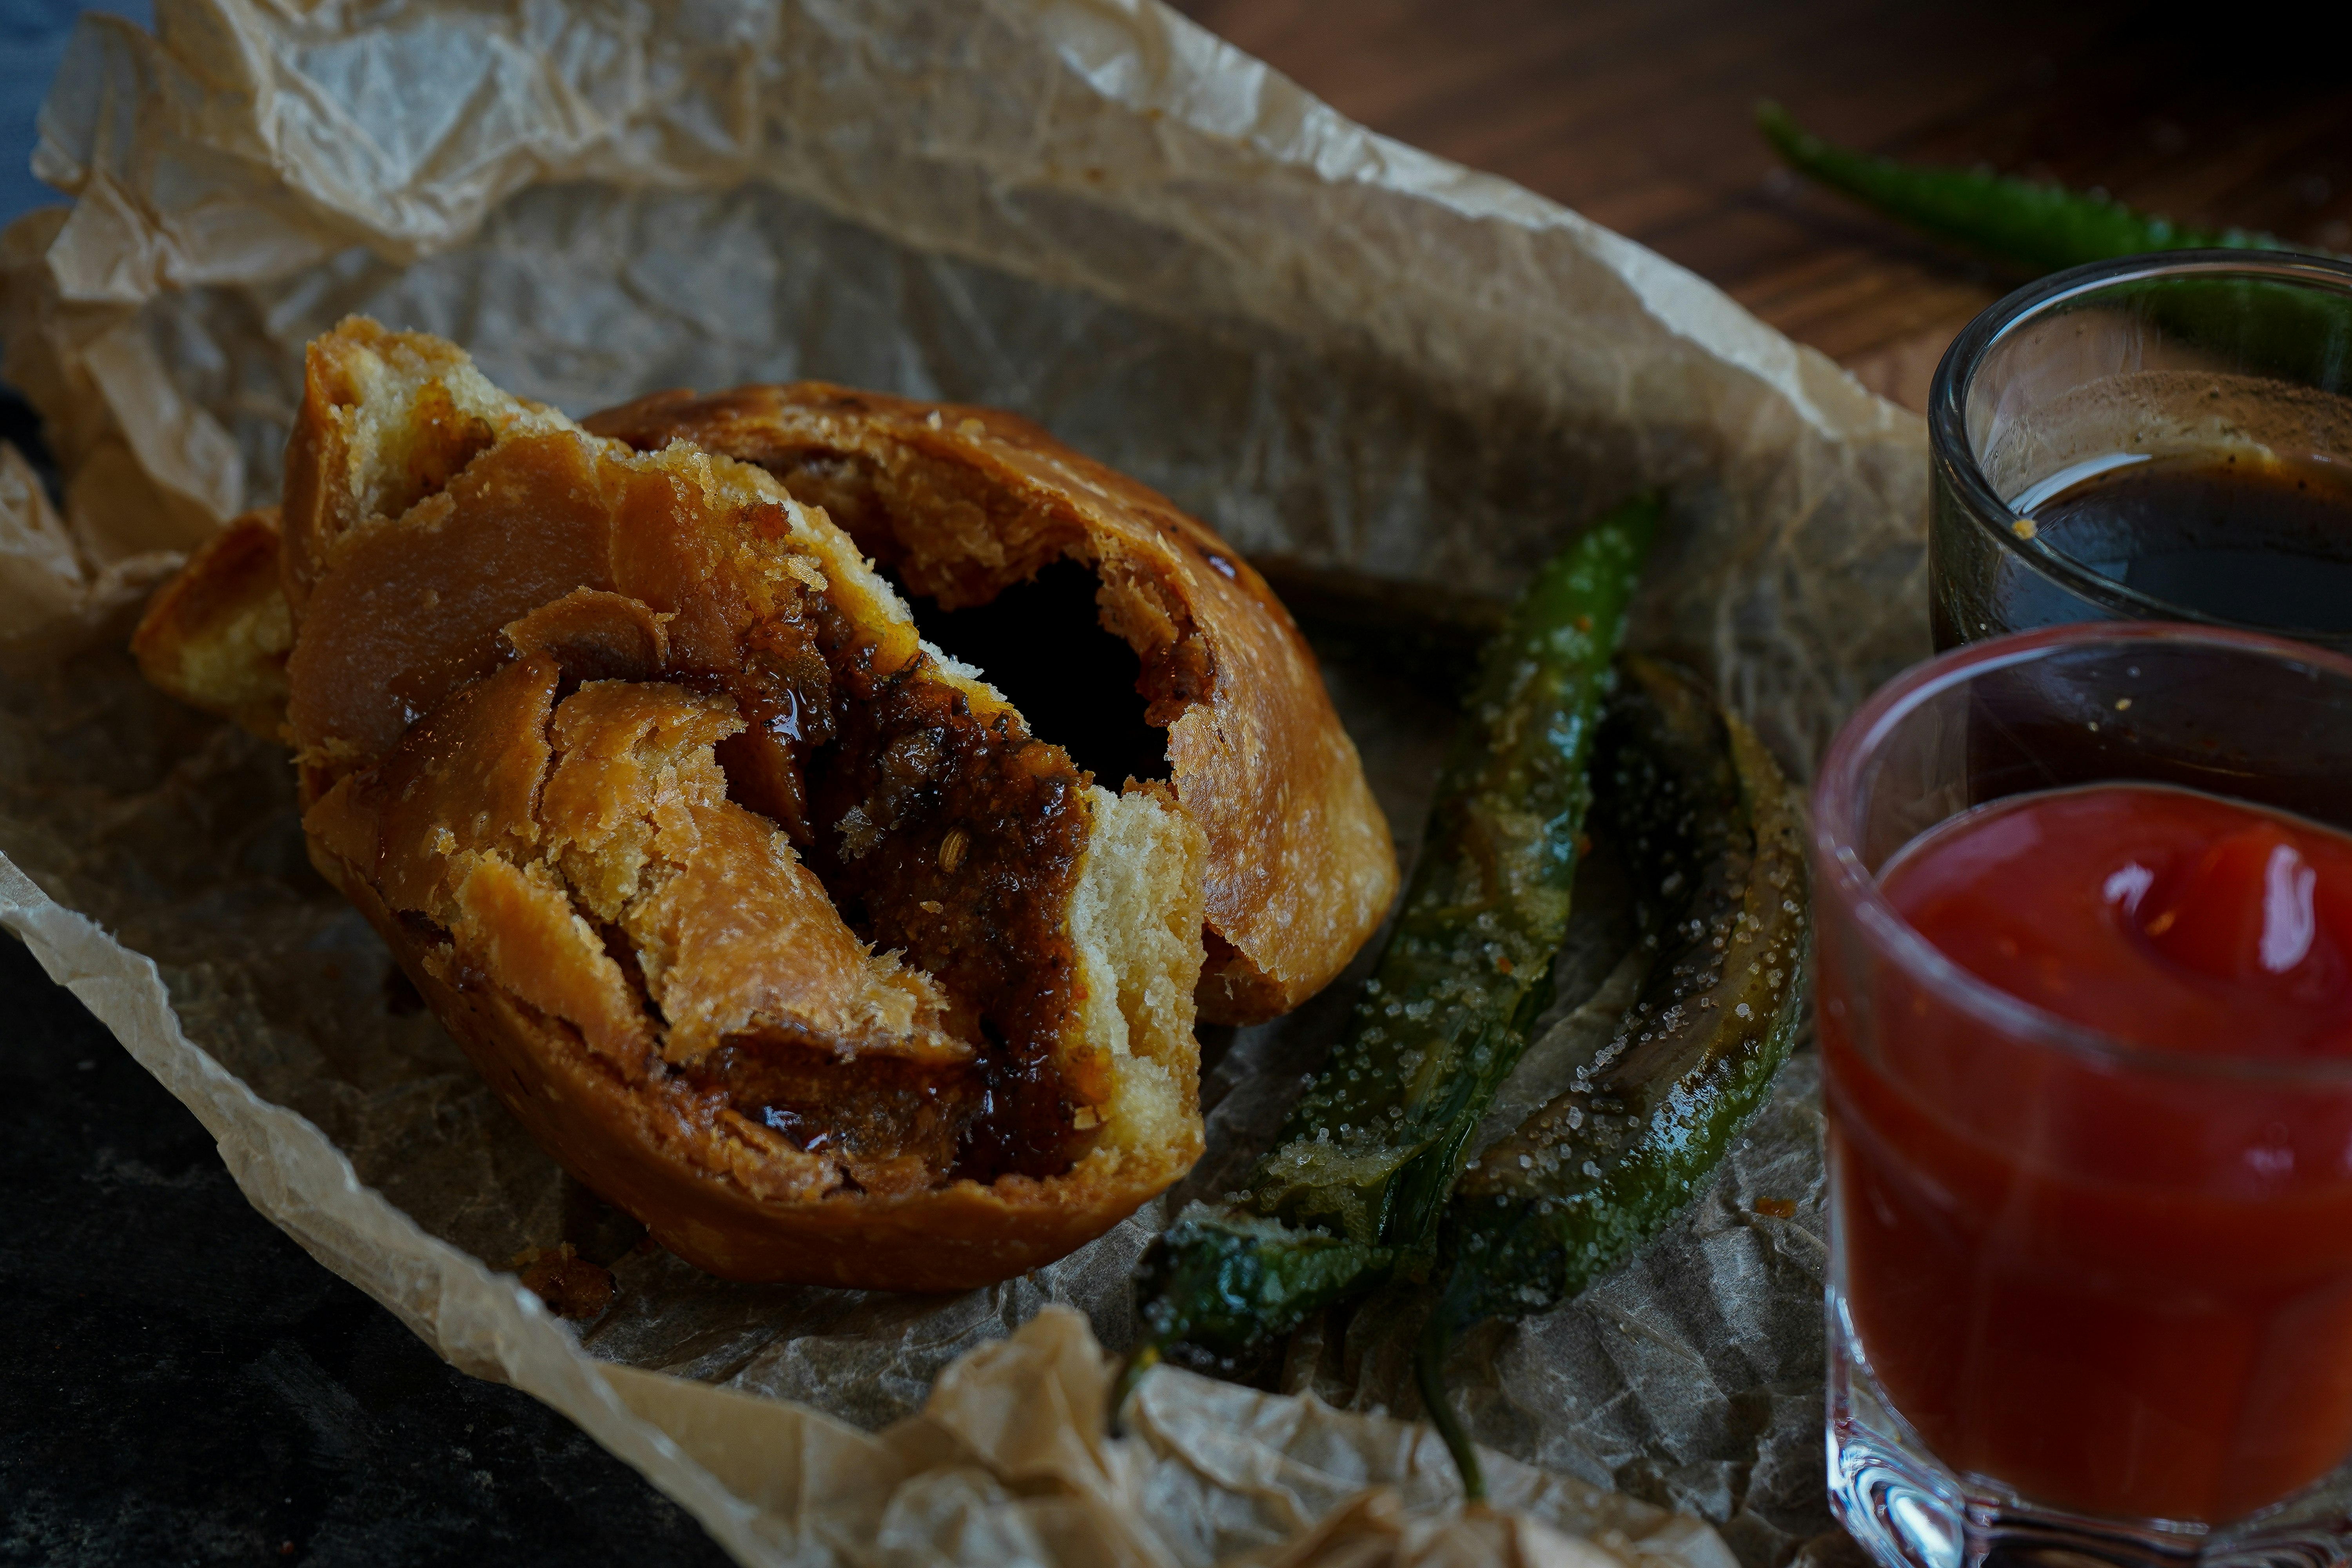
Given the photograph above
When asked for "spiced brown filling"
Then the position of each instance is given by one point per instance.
(893, 1126)
(947, 837)
(956, 843)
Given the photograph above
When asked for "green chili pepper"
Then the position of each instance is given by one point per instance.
(1710, 830)
(2046, 228)
(1356, 1185)
(2260, 324)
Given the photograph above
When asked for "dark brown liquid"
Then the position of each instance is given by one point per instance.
(2262, 541)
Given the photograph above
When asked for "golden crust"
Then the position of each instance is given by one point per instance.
(602, 744)
(216, 634)
(962, 502)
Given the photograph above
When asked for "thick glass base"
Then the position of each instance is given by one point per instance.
(1908, 1511)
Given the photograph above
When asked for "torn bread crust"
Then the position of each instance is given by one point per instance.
(963, 502)
(217, 635)
(773, 926)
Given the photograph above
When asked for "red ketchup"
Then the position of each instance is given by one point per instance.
(2120, 1288)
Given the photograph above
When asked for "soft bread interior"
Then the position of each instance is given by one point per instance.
(648, 746)
(1136, 928)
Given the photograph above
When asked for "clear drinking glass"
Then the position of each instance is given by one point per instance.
(2087, 372)
(2089, 1301)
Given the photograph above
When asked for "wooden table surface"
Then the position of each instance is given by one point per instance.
(1639, 114)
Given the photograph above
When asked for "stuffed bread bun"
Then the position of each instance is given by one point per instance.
(775, 926)
(964, 504)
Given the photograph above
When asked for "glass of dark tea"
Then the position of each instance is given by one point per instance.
(2160, 438)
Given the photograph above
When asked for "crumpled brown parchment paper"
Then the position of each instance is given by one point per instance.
(1337, 350)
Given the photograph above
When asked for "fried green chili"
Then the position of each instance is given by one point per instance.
(1709, 829)
(2043, 227)
(1355, 1188)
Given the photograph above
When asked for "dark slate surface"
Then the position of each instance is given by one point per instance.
(181, 1383)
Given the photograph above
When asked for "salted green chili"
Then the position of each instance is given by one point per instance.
(2045, 226)
(1709, 829)
(1355, 1188)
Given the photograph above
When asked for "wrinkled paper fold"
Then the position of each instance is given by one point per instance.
(1340, 351)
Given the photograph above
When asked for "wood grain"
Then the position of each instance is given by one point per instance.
(1639, 113)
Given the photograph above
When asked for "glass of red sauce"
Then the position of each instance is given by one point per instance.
(2085, 979)
(2160, 438)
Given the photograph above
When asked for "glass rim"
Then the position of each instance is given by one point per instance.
(1838, 872)
(1948, 396)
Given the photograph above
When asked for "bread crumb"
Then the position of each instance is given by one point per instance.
(571, 1286)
